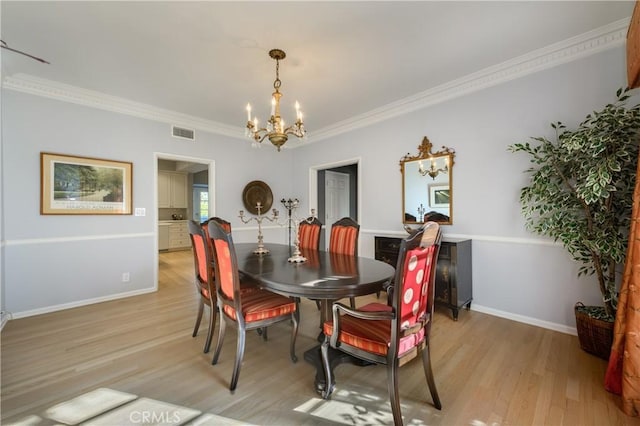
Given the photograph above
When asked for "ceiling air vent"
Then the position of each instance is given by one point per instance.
(182, 133)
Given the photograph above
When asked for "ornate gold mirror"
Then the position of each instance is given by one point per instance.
(427, 185)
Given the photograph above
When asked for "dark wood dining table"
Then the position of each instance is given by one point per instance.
(325, 276)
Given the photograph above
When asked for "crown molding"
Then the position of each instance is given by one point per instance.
(67, 93)
(589, 43)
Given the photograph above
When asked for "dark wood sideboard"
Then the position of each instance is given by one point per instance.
(453, 271)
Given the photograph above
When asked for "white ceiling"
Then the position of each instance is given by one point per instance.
(344, 59)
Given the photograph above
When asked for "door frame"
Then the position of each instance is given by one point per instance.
(212, 200)
(313, 183)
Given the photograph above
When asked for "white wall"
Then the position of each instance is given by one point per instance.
(515, 274)
(53, 262)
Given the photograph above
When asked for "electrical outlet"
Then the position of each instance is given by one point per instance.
(140, 211)
(125, 277)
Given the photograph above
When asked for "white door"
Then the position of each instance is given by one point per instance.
(336, 200)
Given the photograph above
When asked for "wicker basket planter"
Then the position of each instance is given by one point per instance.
(595, 330)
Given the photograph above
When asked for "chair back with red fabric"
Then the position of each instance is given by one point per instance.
(205, 226)
(413, 298)
(344, 236)
(203, 277)
(396, 333)
(226, 225)
(201, 255)
(309, 233)
(226, 271)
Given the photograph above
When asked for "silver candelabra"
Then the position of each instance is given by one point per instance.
(261, 248)
(293, 221)
(421, 211)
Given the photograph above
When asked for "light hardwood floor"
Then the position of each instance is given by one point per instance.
(489, 371)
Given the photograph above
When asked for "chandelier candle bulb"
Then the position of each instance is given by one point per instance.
(248, 112)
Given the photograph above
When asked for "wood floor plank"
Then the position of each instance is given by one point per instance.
(488, 370)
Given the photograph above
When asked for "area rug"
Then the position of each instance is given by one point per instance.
(108, 407)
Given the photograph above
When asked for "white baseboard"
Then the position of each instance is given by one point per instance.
(4, 318)
(79, 303)
(524, 319)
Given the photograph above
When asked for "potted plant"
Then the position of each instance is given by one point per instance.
(581, 194)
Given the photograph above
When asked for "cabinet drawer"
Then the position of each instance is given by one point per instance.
(179, 242)
(176, 232)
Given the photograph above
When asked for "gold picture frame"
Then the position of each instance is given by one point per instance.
(439, 195)
(71, 185)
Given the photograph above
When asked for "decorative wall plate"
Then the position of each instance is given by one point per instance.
(256, 191)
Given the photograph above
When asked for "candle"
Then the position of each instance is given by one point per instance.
(248, 112)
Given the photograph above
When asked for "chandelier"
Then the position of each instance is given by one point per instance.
(433, 169)
(275, 129)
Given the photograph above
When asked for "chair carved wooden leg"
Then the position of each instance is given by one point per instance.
(212, 326)
(239, 355)
(394, 396)
(198, 318)
(428, 372)
(221, 331)
(294, 332)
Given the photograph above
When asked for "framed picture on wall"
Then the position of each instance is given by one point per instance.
(82, 185)
(439, 195)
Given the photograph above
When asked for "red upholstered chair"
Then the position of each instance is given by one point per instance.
(344, 237)
(393, 334)
(344, 240)
(249, 310)
(309, 233)
(204, 279)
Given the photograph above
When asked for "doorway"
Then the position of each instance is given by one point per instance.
(199, 189)
(334, 189)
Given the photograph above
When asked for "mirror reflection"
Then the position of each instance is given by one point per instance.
(427, 185)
